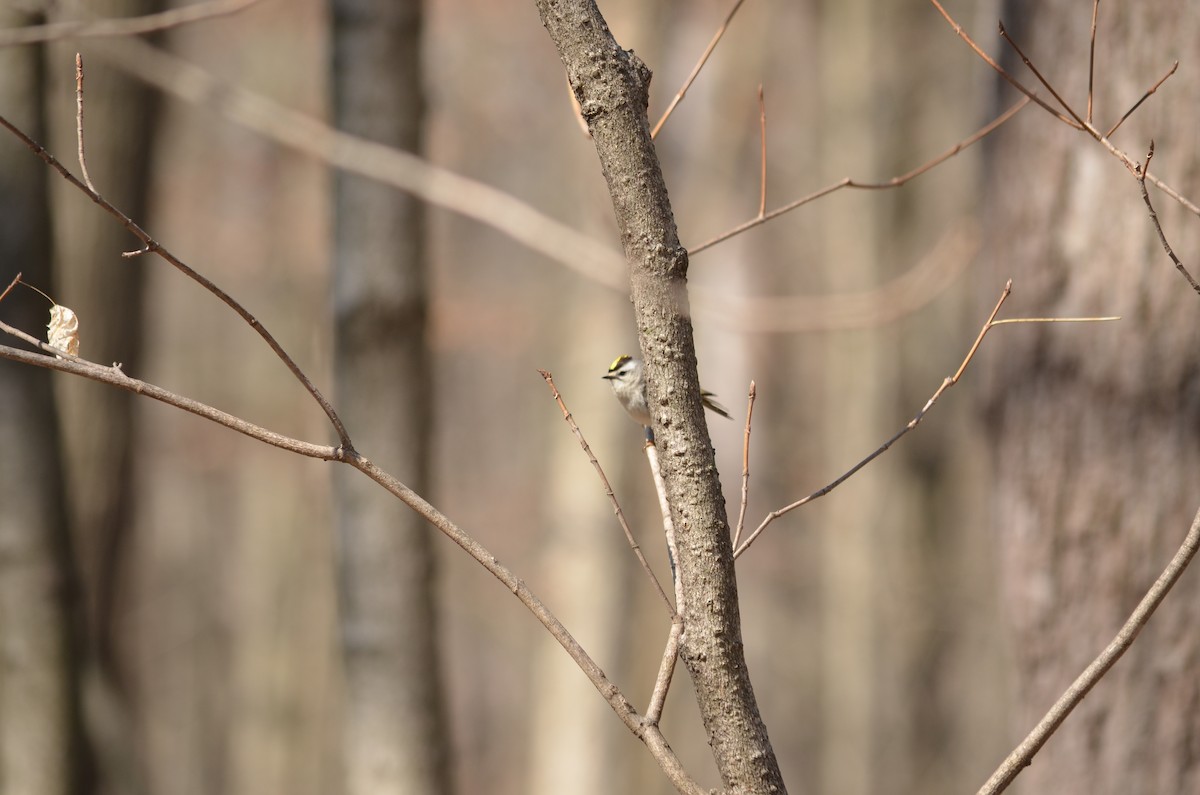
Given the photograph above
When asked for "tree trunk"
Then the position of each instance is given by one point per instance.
(611, 86)
(1094, 428)
(39, 720)
(106, 291)
(395, 735)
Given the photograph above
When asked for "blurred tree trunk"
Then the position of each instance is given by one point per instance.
(1095, 430)
(395, 734)
(105, 291)
(39, 718)
(858, 386)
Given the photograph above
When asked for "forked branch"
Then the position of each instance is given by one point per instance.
(920, 415)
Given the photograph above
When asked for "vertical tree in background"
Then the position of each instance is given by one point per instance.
(106, 292)
(394, 725)
(38, 668)
(1096, 434)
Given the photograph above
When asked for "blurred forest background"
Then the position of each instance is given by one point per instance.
(902, 633)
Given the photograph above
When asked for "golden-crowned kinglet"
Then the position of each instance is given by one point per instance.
(628, 378)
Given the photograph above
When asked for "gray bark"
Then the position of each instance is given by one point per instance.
(395, 735)
(611, 87)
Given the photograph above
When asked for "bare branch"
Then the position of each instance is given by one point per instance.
(647, 732)
(130, 26)
(741, 522)
(1029, 65)
(962, 34)
(1092, 60)
(608, 490)
(664, 506)
(847, 182)
(916, 420)
(113, 376)
(1087, 127)
(16, 280)
(712, 45)
(1144, 97)
(152, 245)
(1023, 754)
(666, 671)
(1162, 237)
(87, 180)
(762, 140)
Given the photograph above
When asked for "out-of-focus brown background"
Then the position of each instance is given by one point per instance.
(902, 633)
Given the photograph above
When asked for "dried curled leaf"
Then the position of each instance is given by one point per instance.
(63, 330)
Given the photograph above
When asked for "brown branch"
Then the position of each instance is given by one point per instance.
(1174, 194)
(16, 280)
(666, 671)
(1087, 127)
(1162, 237)
(847, 182)
(916, 420)
(1029, 65)
(712, 45)
(87, 180)
(962, 34)
(648, 733)
(129, 26)
(608, 490)
(1092, 60)
(762, 141)
(1023, 754)
(1144, 97)
(741, 522)
(664, 507)
(152, 245)
(113, 376)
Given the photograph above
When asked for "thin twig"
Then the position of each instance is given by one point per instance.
(741, 522)
(914, 422)
(762, 141)
(608, 489)
(1029, 65)
(1144, 97)
(152, 245)
(87, 180)
(114, 376)
(16, 280)
(660, 488)
(1104, 319)
(1162, 237)
(666, 671)
(1092, 59)
(1174, 194)
(962, 34)
(129, 26)
(712, 45)
(1023, 754)
(847, 182)
(1128, 161)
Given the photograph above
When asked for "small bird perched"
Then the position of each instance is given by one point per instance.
(628, 378)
